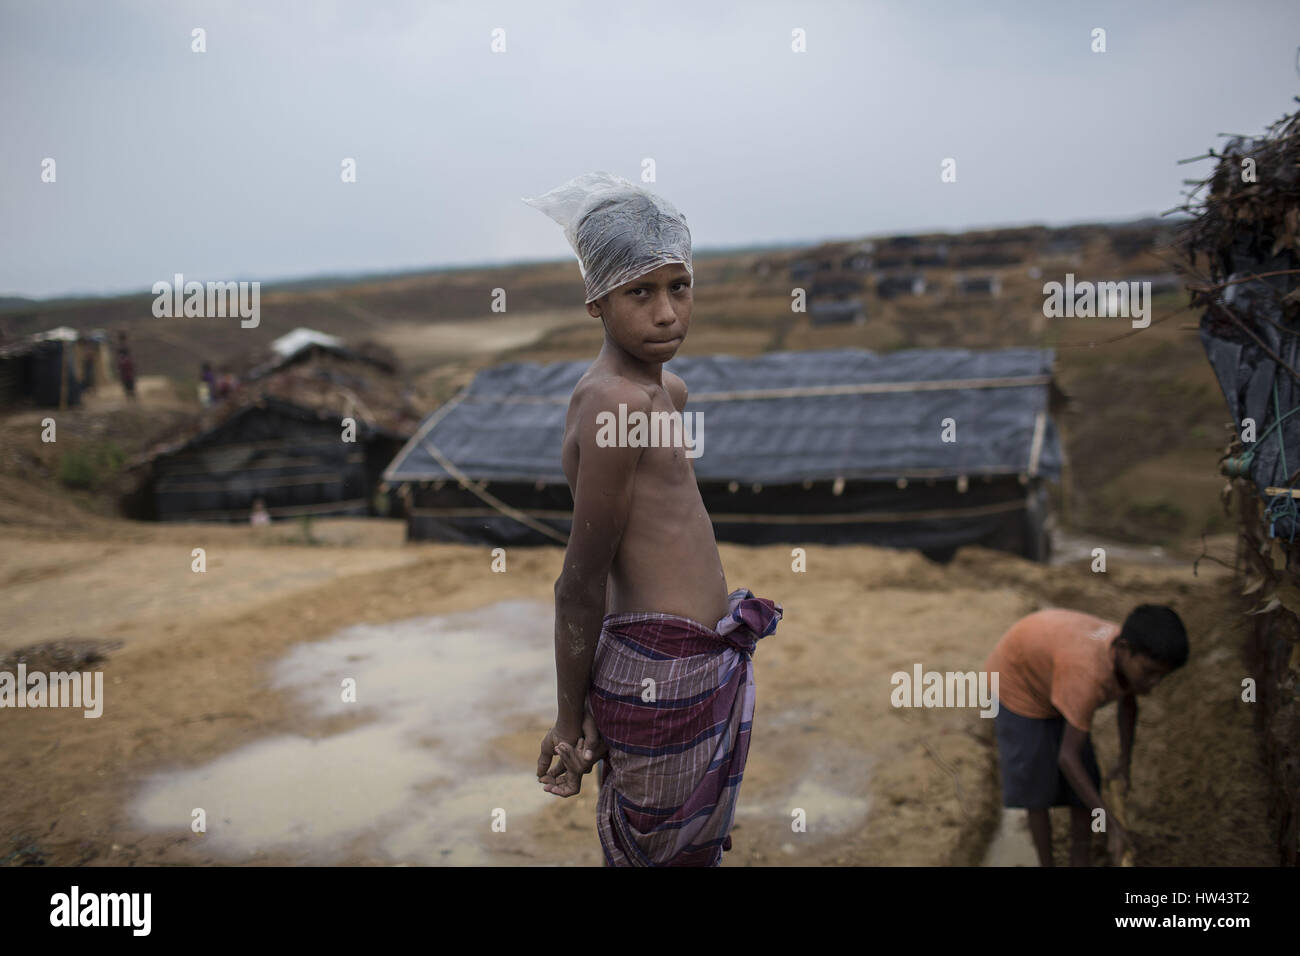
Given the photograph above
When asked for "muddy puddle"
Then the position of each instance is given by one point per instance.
(411, 780)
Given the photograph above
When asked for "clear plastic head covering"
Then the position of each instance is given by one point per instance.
(618, 230)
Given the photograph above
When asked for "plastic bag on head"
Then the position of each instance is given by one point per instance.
(618, 230)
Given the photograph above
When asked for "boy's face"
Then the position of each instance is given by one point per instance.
(649, 316)
(1140, 673)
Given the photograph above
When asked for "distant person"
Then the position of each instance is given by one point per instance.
(125, 366)
(225, 385)
(1055, 668)
(260, 516)
(207, 384)
(646, 679)
(88, 369)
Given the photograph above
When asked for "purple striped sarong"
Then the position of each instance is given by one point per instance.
(677, 747)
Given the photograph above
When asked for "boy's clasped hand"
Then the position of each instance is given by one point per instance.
(561, 765)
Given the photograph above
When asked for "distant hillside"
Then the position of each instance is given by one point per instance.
(747, 288)
(1143, 436)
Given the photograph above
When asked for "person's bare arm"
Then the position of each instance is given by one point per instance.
(602, 502)
(1127, 715)
(1070, 760)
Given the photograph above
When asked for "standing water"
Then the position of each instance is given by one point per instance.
(415, 779)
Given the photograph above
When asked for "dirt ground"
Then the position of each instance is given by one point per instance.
(196, 690)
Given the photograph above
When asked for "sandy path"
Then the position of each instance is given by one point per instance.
(76, 589)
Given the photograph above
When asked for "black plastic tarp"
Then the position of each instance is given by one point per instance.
(1253, 383)
(779, 418)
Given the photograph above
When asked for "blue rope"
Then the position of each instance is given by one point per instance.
(1288, 509)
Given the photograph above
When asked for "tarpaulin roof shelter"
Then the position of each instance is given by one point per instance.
(779, 425)
(281, 438)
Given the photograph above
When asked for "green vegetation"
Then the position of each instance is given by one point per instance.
(91, 466)
(305, 533)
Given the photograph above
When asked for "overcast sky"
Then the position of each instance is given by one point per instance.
(226, 164)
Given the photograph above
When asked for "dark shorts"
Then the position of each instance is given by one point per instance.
(1028, 750)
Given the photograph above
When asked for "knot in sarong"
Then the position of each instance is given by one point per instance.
(748, 620)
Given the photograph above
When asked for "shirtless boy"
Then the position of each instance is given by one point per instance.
(643, 682)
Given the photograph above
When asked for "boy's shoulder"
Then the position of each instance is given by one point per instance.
(602, 390)
(677, 390)
(1062, 620)
(1058, 633)
(599, 392)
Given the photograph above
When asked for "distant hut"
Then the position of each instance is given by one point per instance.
(43, 369)
(890, 287)
(802, 269)
(303, 345)
(989, 254)
(1062, 249)
(282, 436)
(930, 256)
(836, 300)
(831, 447)
(979, 285)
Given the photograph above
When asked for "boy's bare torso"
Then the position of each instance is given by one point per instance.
(667, 560)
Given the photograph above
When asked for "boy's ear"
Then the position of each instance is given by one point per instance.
(595, 310)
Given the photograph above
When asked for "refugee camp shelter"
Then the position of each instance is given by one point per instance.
(835, 300)
(51, 369)
(836, 446)
(802, 269)
(979, 285)
(889, 287)
(304, 345)
(284, 437)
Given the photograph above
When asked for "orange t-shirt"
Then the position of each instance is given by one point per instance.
(1056, 663)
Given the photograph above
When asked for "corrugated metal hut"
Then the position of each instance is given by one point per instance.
(839, 446)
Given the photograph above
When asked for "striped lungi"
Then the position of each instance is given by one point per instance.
(674, 701)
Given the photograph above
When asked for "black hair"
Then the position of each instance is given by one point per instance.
(1157, 632)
